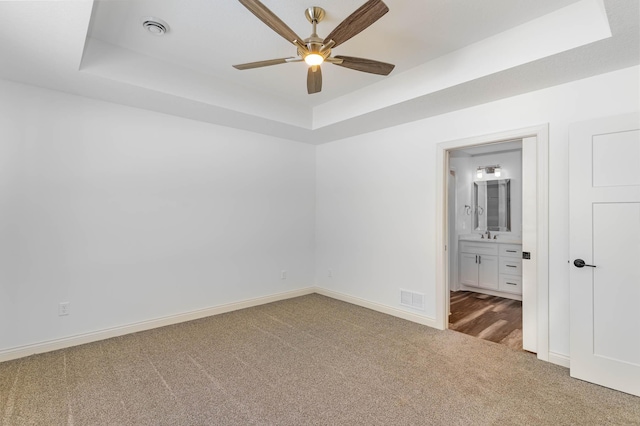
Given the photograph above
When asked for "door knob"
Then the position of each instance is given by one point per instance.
(580, 264)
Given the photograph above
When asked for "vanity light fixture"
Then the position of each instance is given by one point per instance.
(490, 170)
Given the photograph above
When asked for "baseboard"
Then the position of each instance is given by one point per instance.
(559, 359)
(409, 316)
(502, 294)
(80, 339)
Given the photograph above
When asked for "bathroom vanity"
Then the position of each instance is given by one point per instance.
(488, 265)
(491, 266)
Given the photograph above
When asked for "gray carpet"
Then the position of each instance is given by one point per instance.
(309, 360)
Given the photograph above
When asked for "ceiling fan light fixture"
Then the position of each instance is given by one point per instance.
(314, 59)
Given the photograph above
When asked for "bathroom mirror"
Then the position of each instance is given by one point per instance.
(492, 205)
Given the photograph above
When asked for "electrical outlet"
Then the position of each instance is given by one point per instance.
(330, 273)
(283, 274)
(63, 308)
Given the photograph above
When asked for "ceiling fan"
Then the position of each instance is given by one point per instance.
(314, 50)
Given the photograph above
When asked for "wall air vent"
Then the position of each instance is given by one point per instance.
(155, 26)
(412, 299)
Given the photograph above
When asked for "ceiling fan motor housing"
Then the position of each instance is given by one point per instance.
(314, 13)
(314, 43)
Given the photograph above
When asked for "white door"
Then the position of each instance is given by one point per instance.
(453, 234)
(532, 184)
(605, 237)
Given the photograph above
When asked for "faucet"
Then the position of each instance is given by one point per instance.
(488, 235)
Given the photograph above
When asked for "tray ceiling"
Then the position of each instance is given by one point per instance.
(470, 50)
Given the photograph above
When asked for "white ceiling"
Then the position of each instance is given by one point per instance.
(210, 36)
(449, 54)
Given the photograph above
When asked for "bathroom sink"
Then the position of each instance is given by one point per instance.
(501, 239)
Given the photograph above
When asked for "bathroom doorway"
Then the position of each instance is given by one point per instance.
(535, 225)
(485, 240)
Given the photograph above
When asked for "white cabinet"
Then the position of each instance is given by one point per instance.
(479, 265)
(488, 272)
(469, 269)
(510, 284)
(489, 265)
(510, 268)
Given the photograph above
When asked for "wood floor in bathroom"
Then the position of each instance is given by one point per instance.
(488, 317)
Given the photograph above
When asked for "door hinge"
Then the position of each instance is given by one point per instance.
(526, 255)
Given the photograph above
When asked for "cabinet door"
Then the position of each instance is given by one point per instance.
(468, 269)
(488, 272)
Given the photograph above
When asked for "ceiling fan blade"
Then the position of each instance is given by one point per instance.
(270, 19)
(314, 79)
(259, 64)
(365, 65)
(364, 16)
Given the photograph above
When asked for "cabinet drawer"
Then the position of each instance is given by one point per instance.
(479, 248)
(511, 250)
(511, 266)
(510, 284)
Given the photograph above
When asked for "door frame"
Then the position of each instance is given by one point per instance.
(541, 302)
(452, 244)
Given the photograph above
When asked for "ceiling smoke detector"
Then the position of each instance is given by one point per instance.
(155, 26)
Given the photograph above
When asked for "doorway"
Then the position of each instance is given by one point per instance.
(485, 242)
(534, 231)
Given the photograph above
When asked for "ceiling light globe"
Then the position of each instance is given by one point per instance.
(313, 59)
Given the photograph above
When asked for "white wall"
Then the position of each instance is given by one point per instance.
(464, 184)
(132, 215)
(376, 195)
